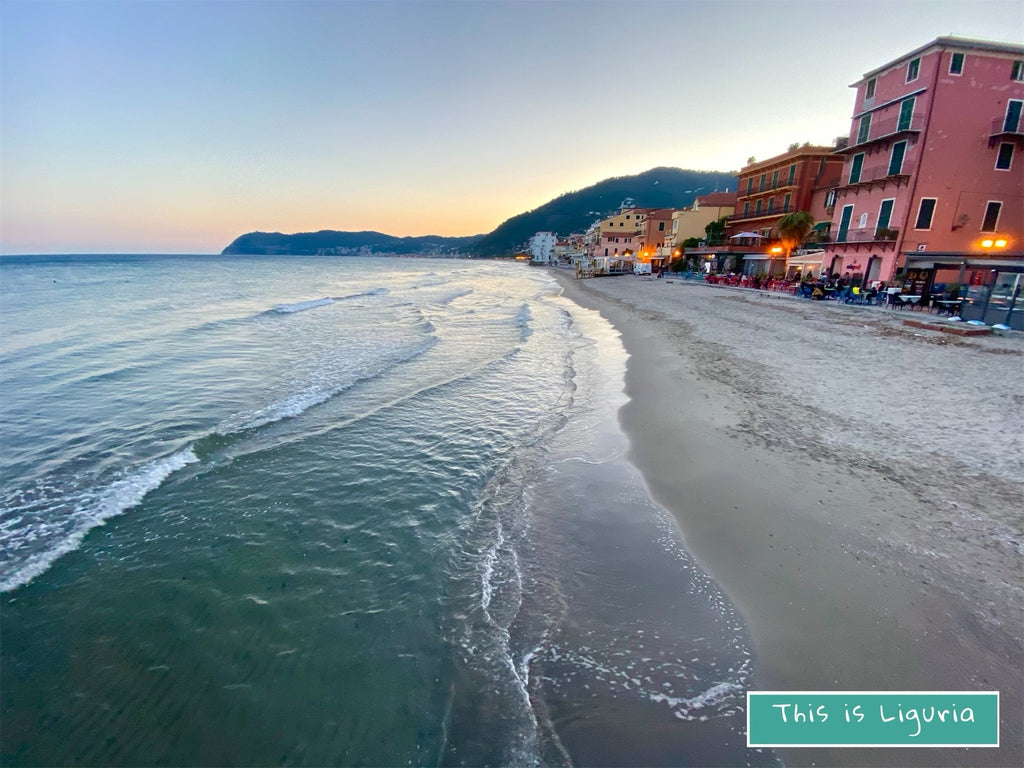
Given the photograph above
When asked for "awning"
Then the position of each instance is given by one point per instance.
(745, 234)
(807, 259)
(764, 257)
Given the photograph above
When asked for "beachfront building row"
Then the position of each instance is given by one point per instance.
(927, 188)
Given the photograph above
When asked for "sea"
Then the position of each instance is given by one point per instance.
(338, 511)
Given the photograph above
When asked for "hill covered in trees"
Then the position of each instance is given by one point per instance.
(330, 241)
(568, 213)
(575, 211)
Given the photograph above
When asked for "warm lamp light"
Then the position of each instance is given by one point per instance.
(990, 242)
(1000, 243)
(987, 243)
(776, 249)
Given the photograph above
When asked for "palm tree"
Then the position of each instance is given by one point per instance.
(793, 229)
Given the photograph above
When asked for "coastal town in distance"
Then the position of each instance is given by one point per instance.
(922, 204)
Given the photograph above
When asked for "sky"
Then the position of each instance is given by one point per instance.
(174, 126)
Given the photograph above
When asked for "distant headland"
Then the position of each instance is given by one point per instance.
(567, 213)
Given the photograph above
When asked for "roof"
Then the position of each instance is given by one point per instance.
(717, 198)
(787, 157)
(962, 43)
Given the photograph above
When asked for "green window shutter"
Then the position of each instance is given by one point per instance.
(885, 214)
(864, 130)
(844, 223)
(855, 168)
(906, 114)
(1012, 122)
(899, 149)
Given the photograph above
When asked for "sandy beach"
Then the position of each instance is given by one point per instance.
(853, 484)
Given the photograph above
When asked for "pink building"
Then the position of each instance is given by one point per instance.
(933, 170)
(654, 229)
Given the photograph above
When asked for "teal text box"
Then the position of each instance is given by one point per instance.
(873, 719)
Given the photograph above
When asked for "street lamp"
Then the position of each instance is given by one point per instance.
(988, 244)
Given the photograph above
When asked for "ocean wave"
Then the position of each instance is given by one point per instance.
(522, 322)
(371, 292)
(301, 306)
(294, 404)
(91, 509)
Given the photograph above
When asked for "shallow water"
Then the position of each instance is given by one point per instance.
(321, 510)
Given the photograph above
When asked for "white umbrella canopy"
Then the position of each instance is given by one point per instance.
(745, 234)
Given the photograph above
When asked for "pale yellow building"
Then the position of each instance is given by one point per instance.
(690, 222)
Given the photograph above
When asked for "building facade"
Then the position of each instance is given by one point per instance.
(786, 183)
(690, 222)
(933, 168)
(541, 248)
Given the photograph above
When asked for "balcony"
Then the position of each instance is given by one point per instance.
(887, 130)
(764, 213)
(880, 174)
(1006, 129)
(870, 236)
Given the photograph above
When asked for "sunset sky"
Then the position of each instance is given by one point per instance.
(148, 127)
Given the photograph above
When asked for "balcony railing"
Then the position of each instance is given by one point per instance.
(763, 213)
(885, 129)
(879, 172)
(1003, 126)
(865, 235)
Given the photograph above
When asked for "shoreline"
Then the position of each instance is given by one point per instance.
(849, 572)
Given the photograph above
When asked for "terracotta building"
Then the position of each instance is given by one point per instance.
(786, 183)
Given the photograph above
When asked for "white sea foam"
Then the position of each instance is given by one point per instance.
(688, 709)
(95, 508)
(371, 292)
(302, 306)
(294, 404)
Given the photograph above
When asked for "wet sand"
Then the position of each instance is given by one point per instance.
(855, 487)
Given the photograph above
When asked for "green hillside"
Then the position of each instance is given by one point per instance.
(575, 211)
(347, 244)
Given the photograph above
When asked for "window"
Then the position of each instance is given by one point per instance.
(1017, 73)
(906, 114)
(884, 215)
(771, 204)
(758, 209)
(844, 223)
(991, 217)
(925, 212)
(830, 198)
(775, 179)
(1011, 124)
(899, 149)
(1005, 157)
(792, 174)
(855, 167)
(785, 205)
(863, 221)
(956, 64)
(864, 129)
(746, 209)
(869, 91)
(661, 226)
(913, 69)
(761, 186)
(750, 185)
